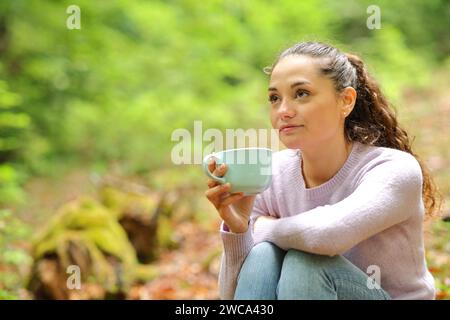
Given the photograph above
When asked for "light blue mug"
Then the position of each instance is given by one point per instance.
(249, 169)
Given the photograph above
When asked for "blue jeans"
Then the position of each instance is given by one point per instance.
(270, 273)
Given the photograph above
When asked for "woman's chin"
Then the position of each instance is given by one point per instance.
(291, 144)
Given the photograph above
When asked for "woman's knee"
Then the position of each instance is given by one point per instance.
(262, 267)
(311, 260)
(297, 263)
(265, 257)
(302, 274)
(265, 250)
(304, 265)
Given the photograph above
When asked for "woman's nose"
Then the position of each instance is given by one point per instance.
(286, 111)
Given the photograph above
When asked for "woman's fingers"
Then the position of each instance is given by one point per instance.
(231, 199)
(212, 183)
(218, 194)
(219, 172)
(211, 165)
(214, 193)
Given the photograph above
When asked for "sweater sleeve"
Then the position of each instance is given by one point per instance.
(388, 194)
(236, 247)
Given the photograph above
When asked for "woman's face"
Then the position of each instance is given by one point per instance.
(300, 96)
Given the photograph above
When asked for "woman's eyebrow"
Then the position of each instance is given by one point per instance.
(297, 83)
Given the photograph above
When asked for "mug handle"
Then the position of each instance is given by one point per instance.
(205, 168)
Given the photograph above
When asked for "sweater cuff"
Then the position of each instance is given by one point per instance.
(236, 245)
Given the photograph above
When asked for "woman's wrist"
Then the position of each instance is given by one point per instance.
(233, 230)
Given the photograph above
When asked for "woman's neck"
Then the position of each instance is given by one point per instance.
(321, 163)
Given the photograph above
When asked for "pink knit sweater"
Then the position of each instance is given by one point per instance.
(371, 212)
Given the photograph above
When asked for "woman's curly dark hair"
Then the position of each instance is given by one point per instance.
(372, 120)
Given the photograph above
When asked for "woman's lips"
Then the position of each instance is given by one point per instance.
(289, 128)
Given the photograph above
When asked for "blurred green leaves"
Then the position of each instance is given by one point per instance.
(13, 124)
(14, 260)
(116, 89)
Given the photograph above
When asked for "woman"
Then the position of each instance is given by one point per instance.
(342, 218)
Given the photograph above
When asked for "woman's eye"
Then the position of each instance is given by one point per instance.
(273, 98)
(301, 93)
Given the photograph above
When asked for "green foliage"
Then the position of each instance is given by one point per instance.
(10, 189)
(14, 259)
(116, 89)
(12, 120)
(13, 125)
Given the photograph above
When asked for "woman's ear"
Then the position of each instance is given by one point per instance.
(348, 100)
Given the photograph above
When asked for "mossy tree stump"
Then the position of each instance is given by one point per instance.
(109, 240)
(83, 233)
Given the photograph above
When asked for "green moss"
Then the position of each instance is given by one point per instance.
(88, 225)
(128, 202)
(146, 272)
(165, 233)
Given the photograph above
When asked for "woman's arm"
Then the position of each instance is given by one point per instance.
(388, 194)
(236, 248)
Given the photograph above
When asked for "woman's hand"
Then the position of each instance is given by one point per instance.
(234, 209)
